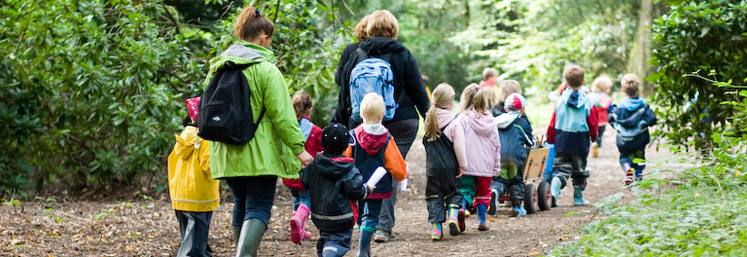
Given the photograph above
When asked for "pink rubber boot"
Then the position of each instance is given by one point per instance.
(298, 224)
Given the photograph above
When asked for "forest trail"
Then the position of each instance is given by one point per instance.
(56, 226)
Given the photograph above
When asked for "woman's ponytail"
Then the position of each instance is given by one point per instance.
(250, 24)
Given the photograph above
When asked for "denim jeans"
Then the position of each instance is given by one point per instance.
(334, 244)
(252, 198)
(194, 228)
(300, 197)
(368, 212)
(404, 133)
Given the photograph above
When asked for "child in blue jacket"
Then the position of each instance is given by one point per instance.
(515, 134)
(572, 129)
(631, 119)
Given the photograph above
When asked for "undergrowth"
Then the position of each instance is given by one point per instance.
(698, 211)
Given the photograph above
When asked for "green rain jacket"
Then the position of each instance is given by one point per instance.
(278, 139)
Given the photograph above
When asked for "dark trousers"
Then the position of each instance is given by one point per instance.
(194, 228)
(252, 198)
(368, 213)
(571, 165)
(441, 190)
(333, 244)
(600, 133)
(638, 166)
(404, 133)
(513, 186)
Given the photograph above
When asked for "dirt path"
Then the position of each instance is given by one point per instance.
(55, 227)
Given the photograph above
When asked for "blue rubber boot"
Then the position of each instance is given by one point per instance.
(364, 242)
(519, 211)
(555, 191)
(482, 209)
(578, 197)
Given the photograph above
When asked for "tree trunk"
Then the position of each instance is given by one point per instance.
(641, 52)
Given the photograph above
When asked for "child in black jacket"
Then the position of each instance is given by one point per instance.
(333, 180)
(631, 119)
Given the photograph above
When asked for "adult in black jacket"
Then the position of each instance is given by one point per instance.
(361, 35)
(333, 180)
(409, 92)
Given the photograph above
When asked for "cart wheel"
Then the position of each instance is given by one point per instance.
(530, 198)
(544, 197)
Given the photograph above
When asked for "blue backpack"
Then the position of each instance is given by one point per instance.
(372, 75)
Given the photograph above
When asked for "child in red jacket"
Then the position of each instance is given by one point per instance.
(301, 203)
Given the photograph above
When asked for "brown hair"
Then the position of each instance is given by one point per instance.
(250, 24)
(507, 88)
(478, 100)
(360, 29)
(443, 96)
(488, 73)
(382, 24)
(630, 84)
(574, 75)
(301, 103)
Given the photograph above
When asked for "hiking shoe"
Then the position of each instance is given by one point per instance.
(493, 199)
(460, 221)
(437, 235)
(483, 227)
(382, 236)
(519, 212)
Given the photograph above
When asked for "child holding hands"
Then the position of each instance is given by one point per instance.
(445, 162)
(332, 180)
(375, 148)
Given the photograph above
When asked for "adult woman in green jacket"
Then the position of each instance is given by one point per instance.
(251, 170)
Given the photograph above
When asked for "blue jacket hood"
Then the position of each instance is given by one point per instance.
(577, 99)
(632, 104)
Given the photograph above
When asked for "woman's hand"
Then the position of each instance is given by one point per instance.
(305, 158)
(461, 172)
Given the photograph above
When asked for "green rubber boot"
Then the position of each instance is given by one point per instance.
(236, 233)
(251, 235)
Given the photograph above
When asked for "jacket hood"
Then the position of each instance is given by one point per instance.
(381, 45)
(333, 167)
(632, 104)
(504, 120)
(187, 142)
(371, 143)
(577, 99)
(484, 125)
(241, 53)
(444, 117)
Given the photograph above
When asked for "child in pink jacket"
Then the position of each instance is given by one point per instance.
(483, 151)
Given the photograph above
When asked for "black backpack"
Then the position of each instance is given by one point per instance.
(440, 155)
(226, 107)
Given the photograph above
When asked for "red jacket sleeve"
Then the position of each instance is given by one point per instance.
(593, 121)
(551, 129)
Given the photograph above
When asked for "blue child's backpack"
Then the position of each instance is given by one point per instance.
(372, 75)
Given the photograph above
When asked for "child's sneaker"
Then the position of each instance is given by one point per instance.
(519, 212)
(555, 191)
(594, 150)
(493, 199)
(578, 197)
(460, 221)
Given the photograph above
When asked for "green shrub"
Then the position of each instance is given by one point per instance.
(698, 36)
(91, 91)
